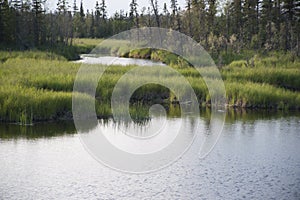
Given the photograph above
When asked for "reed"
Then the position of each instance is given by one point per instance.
(35, 87)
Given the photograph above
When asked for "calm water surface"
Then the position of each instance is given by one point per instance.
(257, 157)
(110, 60)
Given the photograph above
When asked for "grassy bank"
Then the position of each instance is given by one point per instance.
(37, 85)
(48, 52)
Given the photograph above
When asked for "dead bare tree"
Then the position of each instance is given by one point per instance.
(155, 10)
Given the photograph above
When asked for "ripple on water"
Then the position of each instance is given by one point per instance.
(249, 165)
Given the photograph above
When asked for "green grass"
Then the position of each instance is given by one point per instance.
(5, 55)
(86, 42)
(24, 105)
(56, 52)
(37, 86)
(279, 77)
(255, 95)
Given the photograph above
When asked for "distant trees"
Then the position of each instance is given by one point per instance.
(231, 26)
(199, 20)
(7, 22)
(249, 21)
(174, 14)
(133, 14)
(154, 5)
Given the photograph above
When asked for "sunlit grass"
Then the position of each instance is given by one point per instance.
(84, 42)
(36, 87)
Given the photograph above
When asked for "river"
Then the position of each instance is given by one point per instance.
(256, 157)
(110, 60)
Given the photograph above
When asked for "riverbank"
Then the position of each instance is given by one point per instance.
(37, 86)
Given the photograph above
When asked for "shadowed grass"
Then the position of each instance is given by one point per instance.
(5, 55)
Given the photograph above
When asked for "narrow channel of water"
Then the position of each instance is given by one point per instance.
(110, 60)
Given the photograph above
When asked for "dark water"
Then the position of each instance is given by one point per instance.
(256, 157)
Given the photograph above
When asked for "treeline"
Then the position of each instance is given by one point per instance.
(235, 25)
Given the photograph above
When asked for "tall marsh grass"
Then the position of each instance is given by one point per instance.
(34, 54)
(35, 87)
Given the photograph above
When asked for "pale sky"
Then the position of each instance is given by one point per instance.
(116, 5)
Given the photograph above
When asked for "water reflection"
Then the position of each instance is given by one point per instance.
(39, 130)
(139, 125)
(257, 157)
(251, 116)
